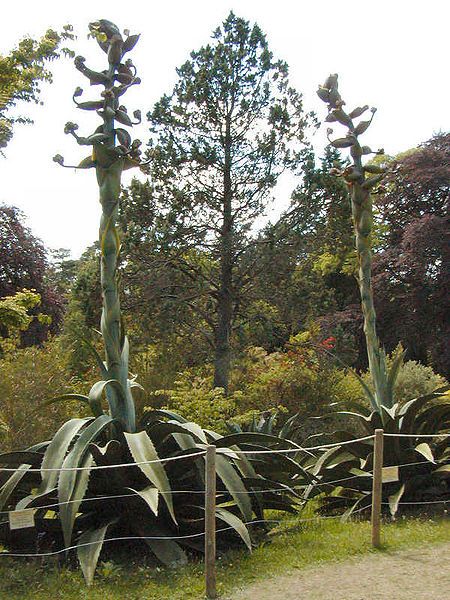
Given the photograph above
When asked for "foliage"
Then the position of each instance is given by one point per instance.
(415, 380)
(219, 142)
(14, 318)
(300, 380)
(143, 494)
(413, 268)
(24, 265)
(150, 498)
(29, 378)
(194, 398)
(425, 474)
(22, 71)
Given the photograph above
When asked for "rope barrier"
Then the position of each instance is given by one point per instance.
(98, 467)
(129, 538)
(423, 502)
(301, 448)
(235, 452)
(417, 435)
(172, 538)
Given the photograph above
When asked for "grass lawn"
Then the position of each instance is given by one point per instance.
(293, 545)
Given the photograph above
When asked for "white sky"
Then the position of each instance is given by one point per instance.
(390, 54)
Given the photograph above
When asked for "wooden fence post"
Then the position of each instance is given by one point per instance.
(210, 523)
(377, 487)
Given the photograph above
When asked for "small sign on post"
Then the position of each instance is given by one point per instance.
(21, 519)
(390, 474)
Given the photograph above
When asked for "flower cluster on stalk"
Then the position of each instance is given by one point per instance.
(109, 143)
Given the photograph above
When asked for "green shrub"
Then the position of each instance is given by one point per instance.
(194, 398)
(416, 380)
(299, 379)
(28, 378)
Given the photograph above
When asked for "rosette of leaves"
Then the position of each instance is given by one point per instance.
(424, 471)
(150, 498)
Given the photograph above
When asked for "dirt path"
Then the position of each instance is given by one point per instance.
(418, 574)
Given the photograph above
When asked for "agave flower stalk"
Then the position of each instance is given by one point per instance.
(361, 180)
(112, 153)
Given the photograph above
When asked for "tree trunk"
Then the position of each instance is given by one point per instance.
(222, 364)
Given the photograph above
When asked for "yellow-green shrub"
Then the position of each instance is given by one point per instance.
(193, 397)
(28, 378)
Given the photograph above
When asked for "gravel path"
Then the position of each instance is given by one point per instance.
(418, 574)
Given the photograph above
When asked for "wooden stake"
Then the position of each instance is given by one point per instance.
(210, 523)
(377, 488)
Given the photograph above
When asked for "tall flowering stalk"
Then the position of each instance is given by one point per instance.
(362, 180)
(113, 151)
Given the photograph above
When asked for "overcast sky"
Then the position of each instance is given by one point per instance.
(390, 54)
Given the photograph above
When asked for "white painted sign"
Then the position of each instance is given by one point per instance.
(389, 474)
(21, 519)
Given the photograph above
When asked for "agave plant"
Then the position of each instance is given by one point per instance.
(428, 414)
(424, 463)
(267, 423)
(106, 476)
(149, 499)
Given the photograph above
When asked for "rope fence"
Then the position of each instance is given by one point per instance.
(212, 495)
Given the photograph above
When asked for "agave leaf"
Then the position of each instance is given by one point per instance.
(248, 437)
(343, 142)
(98, 359)
(11, 459)
(235, 486)
(391, 412)
(124, 137)
(395, 499)
(91, 104)
(443, 469)
(193, 429)
(287, 427)
(358, 111)
(364, 420)
(348, 513)
(95, 407)
(11, 483)
(150, 495)
(327, 456)
(89, 553)
(371, 397)
(352, 405)
(393, 373)
(433, 419)
(96, 391)
(166, 550)
(123, 118)
(54, 457)
(155, 415)
(425, 450)
(236, 523)
(72, 485)
(142, 450)
(412, 408)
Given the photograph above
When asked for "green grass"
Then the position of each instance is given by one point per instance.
(294, 545)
